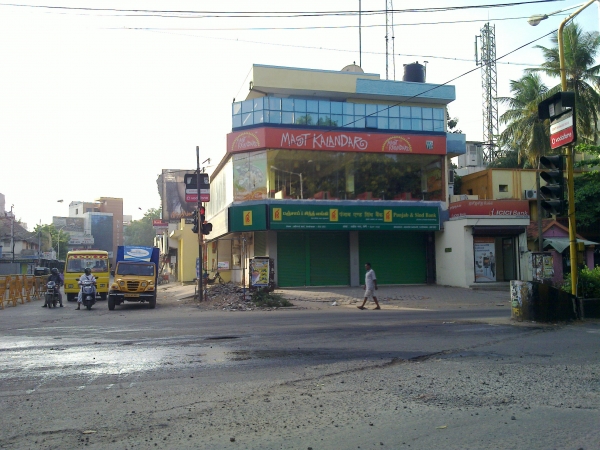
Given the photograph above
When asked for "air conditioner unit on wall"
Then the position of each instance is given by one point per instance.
(530, 194)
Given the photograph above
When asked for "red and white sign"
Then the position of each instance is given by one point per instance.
(191, 195)
(160, 224)
(561, 132)
(338, 141)
(489, 208)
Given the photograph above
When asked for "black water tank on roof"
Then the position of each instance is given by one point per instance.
(414, 72)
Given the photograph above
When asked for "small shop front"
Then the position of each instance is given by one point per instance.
(488, 236)
(327, 243)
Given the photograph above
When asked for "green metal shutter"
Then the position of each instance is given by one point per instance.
(291, 259)
(260, 243)
(397, 257)
(329, 259)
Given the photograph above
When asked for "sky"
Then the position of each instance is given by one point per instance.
(95, 103)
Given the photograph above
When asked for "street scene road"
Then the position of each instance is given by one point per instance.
(437, 367)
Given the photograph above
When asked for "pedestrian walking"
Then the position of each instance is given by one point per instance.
(370, 287)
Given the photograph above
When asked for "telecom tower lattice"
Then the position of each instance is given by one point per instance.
(489, 84)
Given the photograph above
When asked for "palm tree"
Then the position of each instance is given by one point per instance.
(524, 130)
(583, 78)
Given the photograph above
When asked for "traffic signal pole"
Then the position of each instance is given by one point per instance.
(200, 236)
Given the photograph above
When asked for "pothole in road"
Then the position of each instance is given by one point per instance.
(221, 338)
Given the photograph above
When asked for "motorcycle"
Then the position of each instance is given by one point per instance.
(88, 293)
(52, 293)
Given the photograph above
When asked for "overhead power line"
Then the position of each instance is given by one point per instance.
(270, 14)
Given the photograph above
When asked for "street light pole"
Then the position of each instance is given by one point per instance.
(569, 154)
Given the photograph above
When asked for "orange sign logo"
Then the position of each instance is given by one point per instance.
(396, 144)
(333, 215)
(387, 215)
(277, 214)
(247, 218)
(245, 141)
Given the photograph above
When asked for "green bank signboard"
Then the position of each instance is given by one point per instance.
(353, 217)
(248, 218)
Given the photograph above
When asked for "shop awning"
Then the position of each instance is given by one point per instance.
(507, 230)
(560, 244)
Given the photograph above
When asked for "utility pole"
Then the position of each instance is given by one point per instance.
(12, 232)
(200, 235)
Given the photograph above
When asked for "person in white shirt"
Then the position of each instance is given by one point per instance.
(86, 277)
(370, 287)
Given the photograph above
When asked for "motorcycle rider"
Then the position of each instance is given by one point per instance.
(55, 276)
(86, 277)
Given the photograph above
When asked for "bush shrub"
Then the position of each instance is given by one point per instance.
(266, 299)
(588, 283)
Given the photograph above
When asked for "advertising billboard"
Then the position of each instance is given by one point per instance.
(69, 224)
(102, 230)
(174, 206)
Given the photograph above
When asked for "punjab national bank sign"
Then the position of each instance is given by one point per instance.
(339, 141)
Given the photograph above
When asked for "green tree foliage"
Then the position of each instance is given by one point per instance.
(587, 187)
(524, 130)
(509, 160)
(50, 236)
(141, 232)
(580, 50)
(452, 123)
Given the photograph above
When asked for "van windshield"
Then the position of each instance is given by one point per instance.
(78, 265)
(144, 270)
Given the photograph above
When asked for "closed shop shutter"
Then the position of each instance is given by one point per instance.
(291, 259)
(329, 259)
(260, 243)
(397, 257)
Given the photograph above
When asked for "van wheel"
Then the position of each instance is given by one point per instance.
(103, 295)
(111, 303)
(152, 302)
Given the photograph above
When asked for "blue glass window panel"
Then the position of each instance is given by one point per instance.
(258, 117)
(348, 121)
(416, 124)
(415, 112)
(427, 113)
(324, 120)
(360, 123)
(348, 109)
(236, 108)
(275, 117)
(359, 109)
(394, 111)
(394, 124)
(405, 124)
(274, 104)
(427, 125)
(324, 107)
(382, 123)
(336, 107)
(287, 104)
(438, 125)
(258, 103)
(237, 121)
(306, 119)
(371, 109)
(438, 114)
(312, 106)
(287, 117)
(247, 106)
(247, 119)
(371, 122)
(336, 120)
(405, 111)
(300, 105)
(383, 112)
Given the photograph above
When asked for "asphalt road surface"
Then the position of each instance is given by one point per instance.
(305, 378)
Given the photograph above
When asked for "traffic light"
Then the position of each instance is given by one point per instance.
(195, 227)
(554, 191)
(205, 227)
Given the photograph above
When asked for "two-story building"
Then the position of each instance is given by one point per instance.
(327, 170)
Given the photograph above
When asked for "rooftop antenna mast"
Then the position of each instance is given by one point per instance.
(486, 58)
(359, 33)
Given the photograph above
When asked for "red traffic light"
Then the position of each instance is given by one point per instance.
(202, 210)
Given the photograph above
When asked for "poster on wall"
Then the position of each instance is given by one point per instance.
(250, 176)
(485, 259)
(174, 206)
(260, 272)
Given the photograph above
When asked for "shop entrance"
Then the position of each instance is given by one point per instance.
(495, 258)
